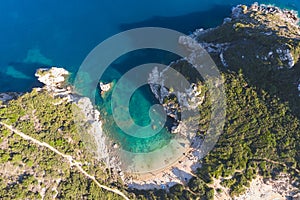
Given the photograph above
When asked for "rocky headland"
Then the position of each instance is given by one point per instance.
(258, 50)
(55, 80)
(263, 42)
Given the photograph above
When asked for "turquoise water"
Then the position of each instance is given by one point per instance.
(140, 103)
(62, 33)
(45, 33)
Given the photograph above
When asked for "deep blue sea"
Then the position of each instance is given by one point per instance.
(40, 33)
(36, 33)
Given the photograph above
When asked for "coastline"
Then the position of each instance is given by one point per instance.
(153, 180)
(179, 172)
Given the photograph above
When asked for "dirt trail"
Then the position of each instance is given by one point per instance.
(68, 157)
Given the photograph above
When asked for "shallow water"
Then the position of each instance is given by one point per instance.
(140, 103)
(38, 34)
(62, 33)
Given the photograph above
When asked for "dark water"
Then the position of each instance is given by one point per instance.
(62, 33)
(38, 34)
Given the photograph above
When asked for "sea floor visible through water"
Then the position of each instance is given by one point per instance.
(62, 34)
(140, 104)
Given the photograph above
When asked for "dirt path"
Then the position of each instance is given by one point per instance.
(68, 157)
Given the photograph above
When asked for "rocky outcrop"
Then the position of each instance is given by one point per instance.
(87, 119)
(174, 101)
(105, 88)
(55, 80)
(272, 30)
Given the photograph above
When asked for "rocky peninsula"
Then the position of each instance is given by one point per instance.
(263, 43)
(257, 49)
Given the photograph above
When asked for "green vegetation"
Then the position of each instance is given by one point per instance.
(262, 129)
(261, 134)
(31, 167)
(253, 43)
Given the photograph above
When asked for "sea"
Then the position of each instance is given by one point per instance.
(42, 33)
(39, 33)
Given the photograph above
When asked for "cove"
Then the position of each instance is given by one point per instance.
(140, 102)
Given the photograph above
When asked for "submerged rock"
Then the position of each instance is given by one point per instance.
(7, 96)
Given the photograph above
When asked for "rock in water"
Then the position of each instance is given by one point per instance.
(105, 87)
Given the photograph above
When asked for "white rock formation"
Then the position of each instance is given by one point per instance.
(286, 57)
(105, 87)
(52, 77)
(54, 80)
(95, 131)
(156, 82)
(223, 60)
(214, 48)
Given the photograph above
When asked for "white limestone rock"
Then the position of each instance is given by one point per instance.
(52, 77)
(105, 87)
(286, 57)
(55, 79)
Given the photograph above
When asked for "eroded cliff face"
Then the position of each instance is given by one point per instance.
(259, 43)
(262, 41)
(174, 102)
(86, 116)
